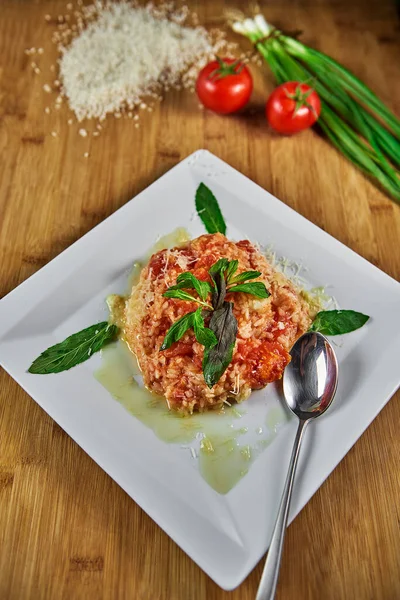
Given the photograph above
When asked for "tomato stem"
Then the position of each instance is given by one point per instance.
(224, 68)
(300, 99)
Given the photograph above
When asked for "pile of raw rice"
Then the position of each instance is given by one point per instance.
(267, 328)
(116, 57)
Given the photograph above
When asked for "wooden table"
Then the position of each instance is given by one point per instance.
(66, 529)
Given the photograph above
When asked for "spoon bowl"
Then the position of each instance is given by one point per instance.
(309, 386)
(310, 379)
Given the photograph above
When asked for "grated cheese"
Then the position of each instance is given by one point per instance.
(182, 261)
(168, 254)
(236, 387)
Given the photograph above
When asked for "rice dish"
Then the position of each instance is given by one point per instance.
(267, 328)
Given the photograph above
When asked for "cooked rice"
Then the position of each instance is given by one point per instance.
(267, 328)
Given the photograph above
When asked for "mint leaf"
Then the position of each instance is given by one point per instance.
(191, 320)
(233, 265)
(216, 359)
(179, 295)
(337, 322)
(178, 330)
(245, 276)
(219, 267)
(209, 211)
(75, 349)
(256, 289)
(188, 281)
(204, 336)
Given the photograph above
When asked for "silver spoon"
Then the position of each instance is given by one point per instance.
(309, 386)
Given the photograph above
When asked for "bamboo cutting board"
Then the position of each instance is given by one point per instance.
(67, 531)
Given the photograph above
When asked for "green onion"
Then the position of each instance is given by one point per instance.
(353, 118)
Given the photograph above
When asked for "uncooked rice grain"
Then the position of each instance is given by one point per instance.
(125, 52)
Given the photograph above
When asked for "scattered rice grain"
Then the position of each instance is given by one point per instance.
(125, 52)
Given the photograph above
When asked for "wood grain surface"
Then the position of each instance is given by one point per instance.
(67, 531)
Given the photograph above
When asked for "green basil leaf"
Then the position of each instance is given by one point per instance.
(177, 330)
(209, 211)
(337, 322)
(216, 359)
(233, 265)
(75, 349)
(204, 336)
(245, 276)
(189, 281)
(179, 295)
(217, 274)
(219, 291)
(256, 289)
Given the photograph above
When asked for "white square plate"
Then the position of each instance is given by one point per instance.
(225, 534)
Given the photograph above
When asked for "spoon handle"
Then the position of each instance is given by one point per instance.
(269, 579)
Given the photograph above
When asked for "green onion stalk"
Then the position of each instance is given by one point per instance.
(352, 117)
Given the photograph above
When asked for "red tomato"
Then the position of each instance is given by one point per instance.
(292, 107)
(224, 85)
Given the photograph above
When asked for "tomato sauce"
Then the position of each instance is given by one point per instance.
(265, 362)
(179, 349)
(203, 265)
(157, 263)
